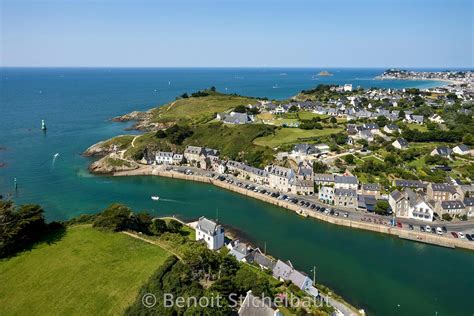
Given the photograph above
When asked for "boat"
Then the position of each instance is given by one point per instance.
(155, 198)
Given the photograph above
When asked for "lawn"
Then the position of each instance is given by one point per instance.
(305, 115)
(199, 109)
(87, 272)
(293, 135)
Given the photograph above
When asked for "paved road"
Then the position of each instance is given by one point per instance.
(458, 226)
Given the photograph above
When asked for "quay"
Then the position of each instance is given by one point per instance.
(347, 222)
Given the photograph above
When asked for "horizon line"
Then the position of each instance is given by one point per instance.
(251, 67)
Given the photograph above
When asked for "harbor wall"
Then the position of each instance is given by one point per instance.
(347, 222)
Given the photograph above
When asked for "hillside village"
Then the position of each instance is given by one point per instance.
(407, 152)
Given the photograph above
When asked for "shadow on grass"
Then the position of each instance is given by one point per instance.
(53, 235)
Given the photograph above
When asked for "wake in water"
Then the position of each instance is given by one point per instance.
(173, 201)
(55, 156)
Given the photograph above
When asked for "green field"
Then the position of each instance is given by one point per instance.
(87, 272)
(293, 135)
(199, 109)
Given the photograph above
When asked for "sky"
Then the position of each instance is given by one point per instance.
(231, 33)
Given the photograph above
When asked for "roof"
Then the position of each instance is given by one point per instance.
(165, 154)
(254, 306)
(443, 150)
(402, 142)
(462, 147)
(207, 226)
(280, 171)
(469, 201)
(396, 195)
(237, 118)
(371, 186)
(409, 183)
(443, 187)
(282, 270)
(193, 150)
(345, 192)
(257, 257)
(324, 177)
(305, 148)
(298, 278)
(345, 179)
(449, 205)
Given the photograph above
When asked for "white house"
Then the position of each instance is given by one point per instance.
(400, 143)
(326, 194)
(348, 87)
(408, 204)
(164, 157)
(211, 232)
(461, 150)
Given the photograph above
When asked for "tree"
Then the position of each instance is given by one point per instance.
(381, 121)
(19, 227)
(401, 114)
(185, 95)
(240, 109)
(116, 218)
(213, 89)
(319, 167)
(349, 159)
(158, 226)
(293, 108)
(382, 207)
(174, 226)
(333, 120)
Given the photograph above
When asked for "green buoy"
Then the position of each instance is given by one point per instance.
(43, 125)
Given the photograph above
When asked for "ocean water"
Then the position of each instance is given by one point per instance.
(379, 273)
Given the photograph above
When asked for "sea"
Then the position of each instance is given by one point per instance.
(380, 274)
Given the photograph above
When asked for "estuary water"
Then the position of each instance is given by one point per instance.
(381, 274)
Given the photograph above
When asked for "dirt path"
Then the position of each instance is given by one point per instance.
(153, 242)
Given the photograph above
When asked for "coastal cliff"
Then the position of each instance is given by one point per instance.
(111, 165)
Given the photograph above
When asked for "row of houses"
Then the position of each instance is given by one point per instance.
(213, 235)
(281, 270)
(417, 200)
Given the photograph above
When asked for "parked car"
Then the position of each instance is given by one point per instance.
(346, 214)
(445, 230)
(410, 227)
(422, 228)
(469, 237)
(399, 225)
(336, 213)
(439, 230)
(454, 234)
(428, 229)
(461, 235)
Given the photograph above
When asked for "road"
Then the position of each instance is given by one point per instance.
(353, 214)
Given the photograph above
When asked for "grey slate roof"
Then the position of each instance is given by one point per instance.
(345, 179)
(254, 306)
(410, 184)
(345, 192)
(450, 205)
(207, 226)
(371, 186)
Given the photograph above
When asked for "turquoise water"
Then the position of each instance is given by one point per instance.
(372, 271)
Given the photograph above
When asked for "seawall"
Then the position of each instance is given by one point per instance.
(401, 233)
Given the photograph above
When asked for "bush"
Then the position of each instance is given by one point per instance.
(446, 217)
(158, 226)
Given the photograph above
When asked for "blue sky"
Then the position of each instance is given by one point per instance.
(219, 33)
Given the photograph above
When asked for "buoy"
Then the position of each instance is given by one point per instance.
(15, 184)
(43, 125)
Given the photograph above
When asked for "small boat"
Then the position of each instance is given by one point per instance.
(155, 198)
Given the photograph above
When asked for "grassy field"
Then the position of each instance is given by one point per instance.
(234, 142)
(293, 135)
(199, 109)
(87, 272)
